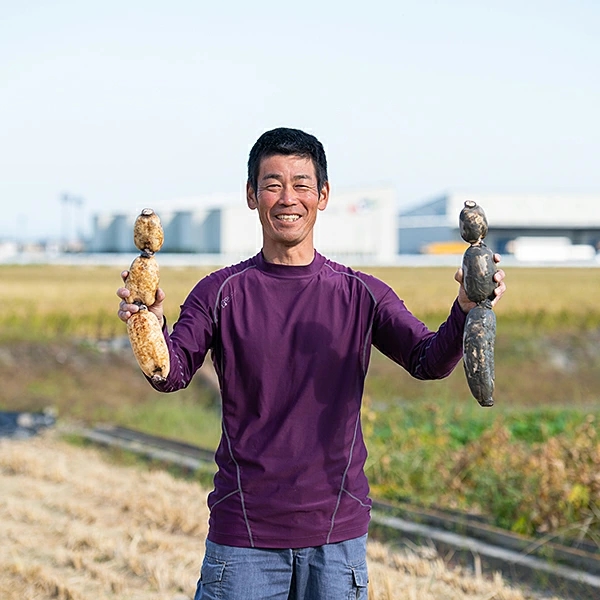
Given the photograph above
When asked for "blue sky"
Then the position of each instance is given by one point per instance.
(130, 104)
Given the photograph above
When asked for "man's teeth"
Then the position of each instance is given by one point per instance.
(288, 217)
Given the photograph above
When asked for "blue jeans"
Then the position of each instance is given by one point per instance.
(329, 572)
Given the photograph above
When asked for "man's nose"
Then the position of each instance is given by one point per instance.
(288, 195)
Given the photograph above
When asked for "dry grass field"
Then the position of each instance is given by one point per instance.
(81, 299)
(76, 527)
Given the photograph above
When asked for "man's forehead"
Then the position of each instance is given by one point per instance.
(269, 164)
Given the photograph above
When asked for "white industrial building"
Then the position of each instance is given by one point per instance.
(365, 226)
(357, 224)
(534, 226)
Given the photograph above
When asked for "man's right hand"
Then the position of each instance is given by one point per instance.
(126, 310)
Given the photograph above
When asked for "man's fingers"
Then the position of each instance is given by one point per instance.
(123, 293)
(126, 310)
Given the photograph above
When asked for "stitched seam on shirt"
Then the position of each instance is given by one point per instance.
(363, 355)
(239, 482)
(339, 498)
(180, 366)
(355, 498)
(216, 306)
(237, 466)
(225, 497)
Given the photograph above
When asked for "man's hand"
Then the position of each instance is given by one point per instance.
(465, 304)
(126, 309)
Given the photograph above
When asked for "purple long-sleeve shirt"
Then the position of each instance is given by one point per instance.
(291, 346)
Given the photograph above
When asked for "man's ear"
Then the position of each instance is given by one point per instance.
(251, 197)
(324, 196)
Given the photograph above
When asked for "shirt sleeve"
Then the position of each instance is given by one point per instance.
(190, 340)
(425, 354)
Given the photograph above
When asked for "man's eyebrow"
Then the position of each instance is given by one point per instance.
(272, 176)
(278, 176)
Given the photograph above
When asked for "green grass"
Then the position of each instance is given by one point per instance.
(529, 470)
(179, 418)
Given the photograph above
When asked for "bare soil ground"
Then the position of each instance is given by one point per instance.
(75, 527)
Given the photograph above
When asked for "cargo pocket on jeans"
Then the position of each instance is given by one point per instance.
(211, 578)
(212, 571)
(360, 575)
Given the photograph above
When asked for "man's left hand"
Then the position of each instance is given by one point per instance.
(465, 304)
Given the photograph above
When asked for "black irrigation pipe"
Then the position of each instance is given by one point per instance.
(461, 538)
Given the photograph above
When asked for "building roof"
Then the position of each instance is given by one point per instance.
(511, 210)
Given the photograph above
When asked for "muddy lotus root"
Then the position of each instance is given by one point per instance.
(148, 344)
(479, 334)
(144, 329)
(148, 235)
(142, 281)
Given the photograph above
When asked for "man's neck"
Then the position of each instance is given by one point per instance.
(297, 257)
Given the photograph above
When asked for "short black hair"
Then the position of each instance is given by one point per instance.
(287, 142)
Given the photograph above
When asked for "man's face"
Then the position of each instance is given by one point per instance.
(287, 200)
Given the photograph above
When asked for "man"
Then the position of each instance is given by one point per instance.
(290, 335)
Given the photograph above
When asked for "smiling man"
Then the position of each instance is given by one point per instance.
(290, 334)
(287, 193)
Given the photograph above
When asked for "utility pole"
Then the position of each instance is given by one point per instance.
(68, 223)
(64, 225)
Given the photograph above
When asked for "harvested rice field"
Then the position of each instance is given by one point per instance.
(75, 526)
